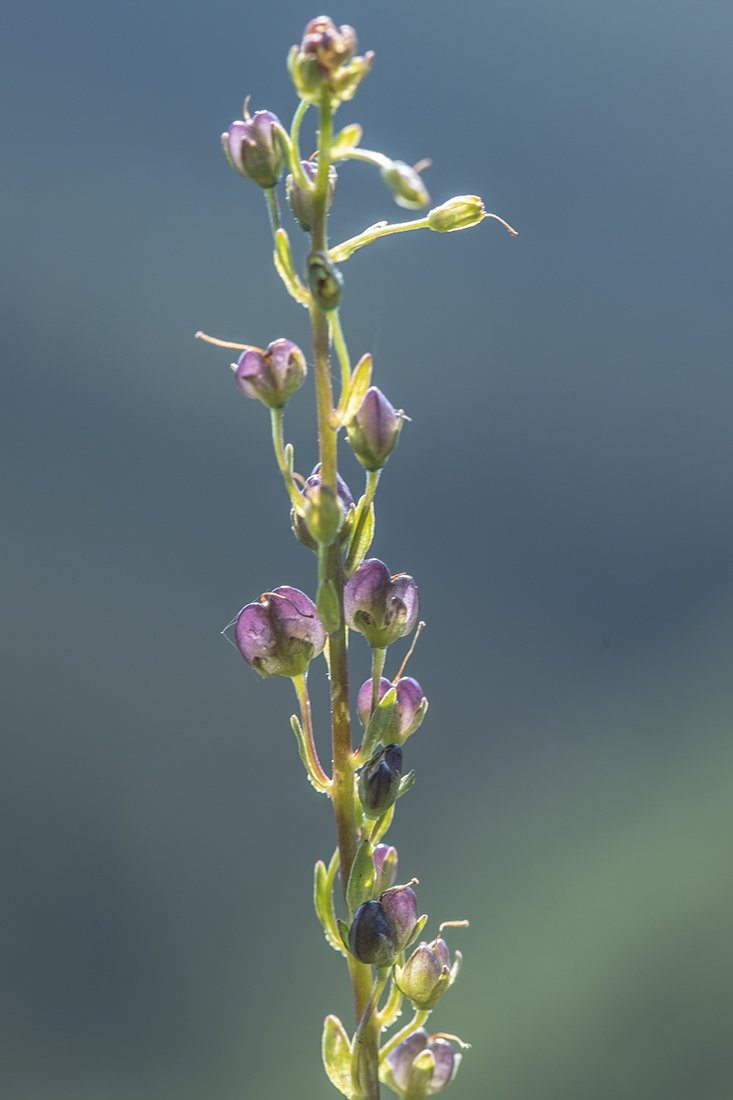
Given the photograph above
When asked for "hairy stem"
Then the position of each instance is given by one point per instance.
(296, 499)
(342, 790)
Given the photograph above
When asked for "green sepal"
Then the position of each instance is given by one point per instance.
(382, 825)
(344, 933)
(358, 547)
(289, 458)
(323, 902)
(362, 877)
(378, 725)
(405, 783)
(300, 737)
(421, 1074)
(417, 930)
(328, 606)
(285, 269)
(353, 397)
(346, 140)
(336, 1051)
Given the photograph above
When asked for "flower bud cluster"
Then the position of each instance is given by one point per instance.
(326, 57)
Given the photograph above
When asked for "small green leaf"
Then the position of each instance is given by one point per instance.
(336, 1051)
(285, 269)
(323, 902)
(328, 606)
(378, 724)
(405, 783)
(361, 539)
(361, 877)
(345, 140)
(351, 400)
(417, 929)
(344, 933)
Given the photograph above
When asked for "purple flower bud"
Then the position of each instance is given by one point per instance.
(400, 905)
(409, 709)
(380, 607)
(385, 865)
(272, 375)
(421, 1066)
(374, 431)
(300, 528)
(330, 45)
(280, 635)
(379, 780)
(299, 201)
(255, 148)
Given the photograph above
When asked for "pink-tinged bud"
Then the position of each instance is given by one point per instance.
(374, 431)
(409, 710)
(255, 148)
(385, 865)
(272, 375)
(280, 635)
(421, 1066)
(331, 46)
(380, 607)
(400, 905)
(300, 201)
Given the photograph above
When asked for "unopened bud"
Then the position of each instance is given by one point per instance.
(324, 279)
(272, 375)
(382, 929)
(300, 530)
(326, 56)
(280, 635)
(379, 780)
(405, 184)
(255, 148)
(458, 213)
(380, 607)
(323, 514)
(410, 706)
(300, 201)
(375, 429)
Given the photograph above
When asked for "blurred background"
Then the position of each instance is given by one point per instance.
(562, 495)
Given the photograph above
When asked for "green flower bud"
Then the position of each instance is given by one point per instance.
(323, 514)
(404, 182)
(324, 279)
(458, 213)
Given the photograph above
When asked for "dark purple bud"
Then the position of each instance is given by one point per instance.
(330, 45)
(374, 431)
(380, 607)
(400, 905)
(371, 936)
(300, 528)
(255, 148)
(280, 635)
(379, 780)
(272, 375)
(300, 201)
(420, 1066)
(409, 709)
(385, 865)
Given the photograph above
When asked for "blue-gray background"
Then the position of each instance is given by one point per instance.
(562, 495)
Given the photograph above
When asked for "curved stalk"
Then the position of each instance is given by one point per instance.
(317, 776)
(296, 499)
(417, 1021)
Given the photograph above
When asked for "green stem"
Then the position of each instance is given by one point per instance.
(417, 1021)
(273, 209)
(312, 762)
(380, 229)
(378, 658)
(342, 789)
(300, 176)
(296, 499)
(368, 1021)
(369, 156)
(343, 352)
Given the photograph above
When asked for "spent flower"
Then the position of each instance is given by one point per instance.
(421, 1065)
(280, 635)
(272, 375)
(410, 706)
(381, 607)
(255, 148)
